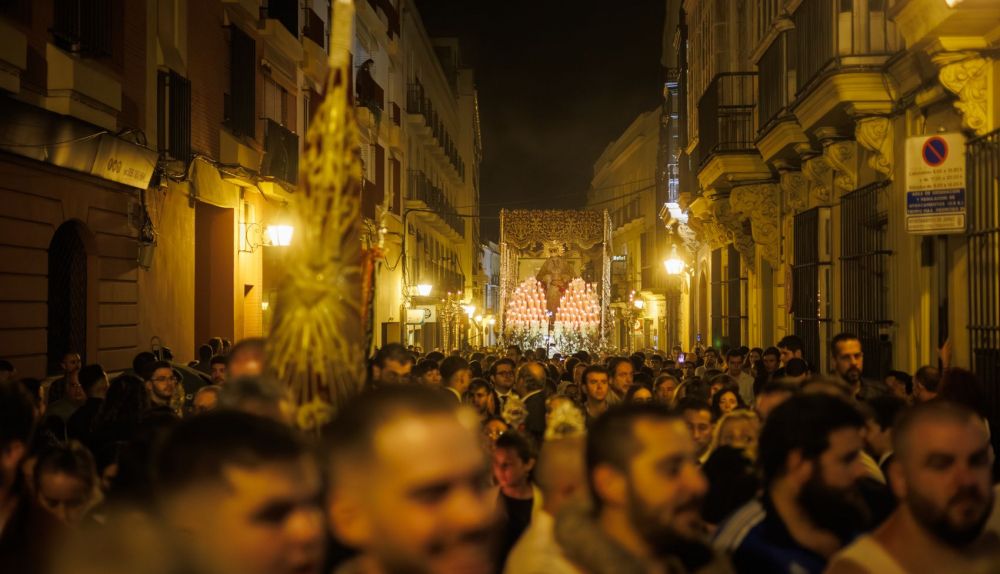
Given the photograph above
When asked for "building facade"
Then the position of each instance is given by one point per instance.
(800, 125)
(150, 149)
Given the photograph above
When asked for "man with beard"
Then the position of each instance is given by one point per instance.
(941, 476)
(849, 362)
(647, 489)
(409, 484)
(809, 453)
(392, 365)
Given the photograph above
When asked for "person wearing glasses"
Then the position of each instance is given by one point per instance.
(502, 377)
(161, 384)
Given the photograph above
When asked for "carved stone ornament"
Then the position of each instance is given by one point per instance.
(842, 156)
(738, 231)
(818, 171)
(968, 76)
(689, 237)
(795, 188)
(760, 203)
(875, 135)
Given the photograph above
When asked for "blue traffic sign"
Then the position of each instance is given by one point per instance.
(935, 151)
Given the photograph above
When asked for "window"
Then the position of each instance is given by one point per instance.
(173, 114)
(275, 101)
(241, 113)
(84, 27)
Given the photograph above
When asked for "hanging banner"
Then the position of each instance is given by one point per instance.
(935, 184)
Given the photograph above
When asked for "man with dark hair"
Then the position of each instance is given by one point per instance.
(882, 414)
(734, 368)
(530, 385)
(711, 361)
(899, 383)
(809, 453)
(409, 487)
(456, 376)
(514, 353)
(621, 372)
(241, 494)
(246, 359)
(795, 372)
(502, 377)
(94, 382)
(646, 489)
(426, 372)
(596, 389)
(26, 531)
(161, 382)
(392, 365)
(848, 360)
(942, 480)
(926, 382)
(790, 347)
(697, 415)
(771, 360)
(773, 394)
(217, 369)
(656, 363)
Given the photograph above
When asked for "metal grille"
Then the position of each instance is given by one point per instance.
(728, 286)
(726, 114)
(174, 114)
(983, 184)
(67, 320)
(864, 272)
(806, 283)
(717, 334)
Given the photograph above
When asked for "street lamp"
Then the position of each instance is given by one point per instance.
(470, 310)
(424, 289)
(280, 235)
(674, 264)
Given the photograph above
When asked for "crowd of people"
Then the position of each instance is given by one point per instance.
(501, 460)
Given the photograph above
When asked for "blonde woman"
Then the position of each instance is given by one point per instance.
(739, 429)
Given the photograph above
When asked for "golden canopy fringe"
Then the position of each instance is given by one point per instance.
(315, 348)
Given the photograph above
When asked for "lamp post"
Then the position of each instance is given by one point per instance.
(630, 314)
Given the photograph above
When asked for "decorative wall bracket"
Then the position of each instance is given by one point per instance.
(795, 191)
(760, 203)
(969, 76)
(842, 156)
(738, 231)
(817, 170)
(874, 133)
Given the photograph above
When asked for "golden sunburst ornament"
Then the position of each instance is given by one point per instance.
(315, 348)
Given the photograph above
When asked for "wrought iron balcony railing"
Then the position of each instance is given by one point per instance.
(726, 115)
(421, 189)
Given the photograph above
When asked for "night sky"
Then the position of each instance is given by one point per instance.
(558, 80)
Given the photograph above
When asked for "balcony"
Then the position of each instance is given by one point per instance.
(281, 153)
(314, 28)
(425, 195)
(778, 132)
(425, 120)
(726, 130)
(840, 64)
(279, 27)
(284, 11)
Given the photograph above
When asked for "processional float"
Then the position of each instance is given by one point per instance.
(555, 279)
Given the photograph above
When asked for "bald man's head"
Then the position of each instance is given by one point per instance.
(561, 472)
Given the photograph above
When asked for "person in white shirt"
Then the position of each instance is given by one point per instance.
(942, 478)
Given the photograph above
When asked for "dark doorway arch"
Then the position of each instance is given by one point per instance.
(67, 298)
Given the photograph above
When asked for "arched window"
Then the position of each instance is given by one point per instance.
(67, 321)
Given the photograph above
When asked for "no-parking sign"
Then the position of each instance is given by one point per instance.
(935, 184)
